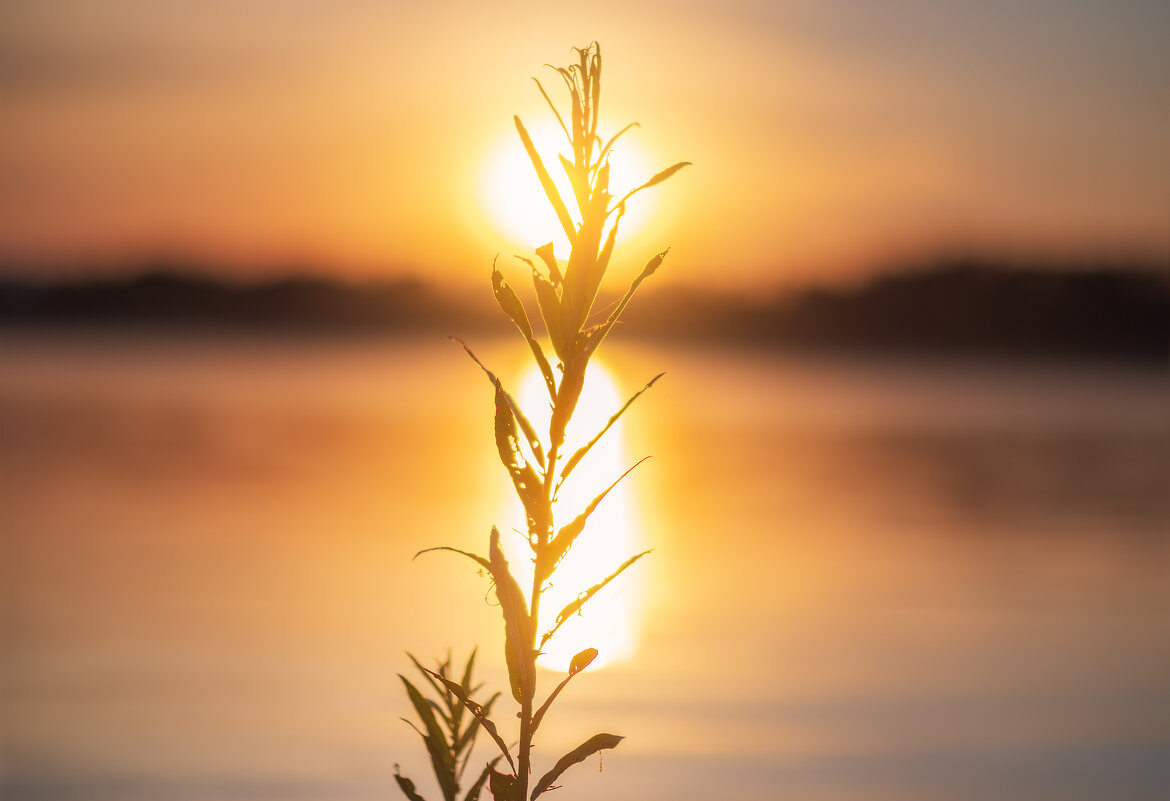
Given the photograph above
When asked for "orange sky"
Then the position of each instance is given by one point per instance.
(355, 135)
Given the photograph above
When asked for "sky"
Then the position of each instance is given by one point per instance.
(367, 138)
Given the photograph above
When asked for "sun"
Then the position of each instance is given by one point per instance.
(516, 203)
(608, 622)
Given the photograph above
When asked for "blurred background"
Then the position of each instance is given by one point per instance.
(910, 493)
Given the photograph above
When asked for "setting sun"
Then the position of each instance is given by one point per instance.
(517, 205)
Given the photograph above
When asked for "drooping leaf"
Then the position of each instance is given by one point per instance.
(575, 605)
(502, 785)
(609, 145)
(546, 182)
(480, 713)
(469, 735)
(560, 544)
(442, 760)
(597, 742)
(517, 413)
(517, 624)
(528, 484)
(477, 559)
(407, 787)
(580, 453)
(510, 303)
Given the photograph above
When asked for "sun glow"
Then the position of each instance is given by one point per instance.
(518, 206)
(607, 621)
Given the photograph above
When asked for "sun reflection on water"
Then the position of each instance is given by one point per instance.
(608, 621)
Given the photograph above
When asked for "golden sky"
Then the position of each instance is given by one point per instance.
(358, 136)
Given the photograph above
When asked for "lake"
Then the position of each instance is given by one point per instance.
(870, 579)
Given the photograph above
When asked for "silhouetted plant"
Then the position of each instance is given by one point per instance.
(449, 745)
(565, 297)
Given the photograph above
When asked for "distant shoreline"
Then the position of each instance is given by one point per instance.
(954, 310)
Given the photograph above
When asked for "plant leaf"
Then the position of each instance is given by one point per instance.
(442, 759)
(468, 738)
(546, 182)
(517, 412)
(550, 310)
(480, 714)
(584, 449)
(656, 179)
(609, 145)
(517, 624)
(597, 742)
(598, 333)
(528, 483)
(407, 787)
(485, 564)
(546, 254)
(548, 559)
(426, 674)
(512, 306)
(582, 661)
(574, 605)
(579, 663)
(502, 786)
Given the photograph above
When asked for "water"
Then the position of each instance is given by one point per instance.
(870, 581)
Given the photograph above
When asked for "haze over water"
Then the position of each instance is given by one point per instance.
(870, 580)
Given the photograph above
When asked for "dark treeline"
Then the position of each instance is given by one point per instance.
(947, 309)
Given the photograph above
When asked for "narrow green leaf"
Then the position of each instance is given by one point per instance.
(656, 179)
(573, 606)
(580, 453)
(517, 624)
(596, 334)
(457, 713)
(525, 479)
(407, 787)
(468, 737)
(550, 309)
(546, 182)
(442, 760)
(578, 181)
(518, 415)
(579, 663)
(480, 713)
(477, 559)
(600, 266)
(597, 742)
(560, 544)
(426, 674)
(510, 303)
(609, 145)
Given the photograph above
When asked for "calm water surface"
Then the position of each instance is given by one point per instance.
(870, 580)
